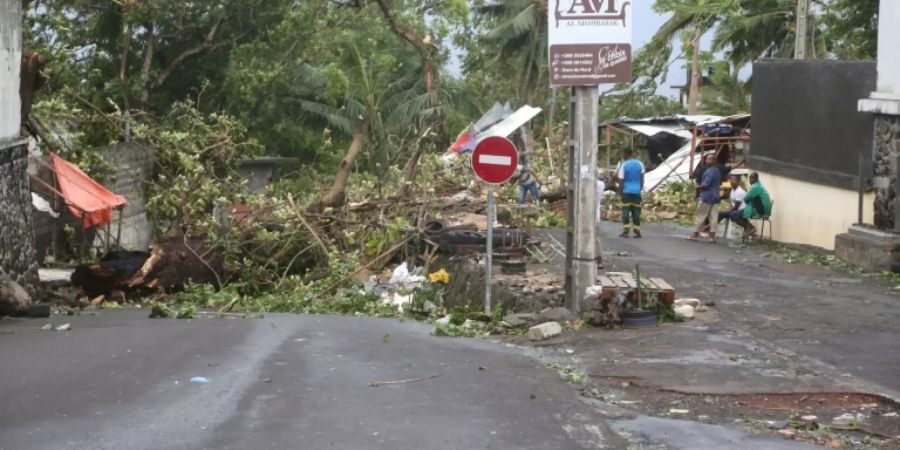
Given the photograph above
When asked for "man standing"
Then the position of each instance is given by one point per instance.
(631, 181)
(528, 183)
(708, 208)
(758, 202)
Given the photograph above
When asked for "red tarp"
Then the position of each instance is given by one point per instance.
(86, 198)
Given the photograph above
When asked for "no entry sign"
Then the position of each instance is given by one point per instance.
(495, 159)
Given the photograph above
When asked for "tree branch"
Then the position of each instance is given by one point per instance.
(206, 45)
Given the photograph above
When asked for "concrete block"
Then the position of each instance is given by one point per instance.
(693, 302)
(684, 312)
(868, 252)
(544, 331)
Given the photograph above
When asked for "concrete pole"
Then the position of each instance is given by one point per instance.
(802, 29)
(581, 264)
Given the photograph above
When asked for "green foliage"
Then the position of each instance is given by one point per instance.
(568, 373)
(380, 242)
(160, 310)
(197, 156)
(454, 330)
(550, 219)
(850, 28)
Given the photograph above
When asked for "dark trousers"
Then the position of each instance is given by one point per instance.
(735, 216)
(631, 211)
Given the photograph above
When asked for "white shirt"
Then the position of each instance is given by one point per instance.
(737, 195)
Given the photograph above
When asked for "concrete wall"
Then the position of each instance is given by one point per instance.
(10, 64)
(810, 213)
(16, 239)
(805, 120)
(133, 165)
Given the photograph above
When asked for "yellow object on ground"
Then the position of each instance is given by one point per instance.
(441, 276)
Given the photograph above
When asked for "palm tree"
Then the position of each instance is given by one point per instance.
(372, 112)
(519, 30)
(693, 16)
(764, 28)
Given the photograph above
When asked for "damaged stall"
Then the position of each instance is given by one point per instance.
(673, 143)
(728, 138)
(88, 201)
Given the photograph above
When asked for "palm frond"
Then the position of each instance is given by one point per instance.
(336, 117)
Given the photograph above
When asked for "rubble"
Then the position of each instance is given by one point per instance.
(684, 312)
(544, 331)
(556, 314)
(520, 319)
(693, 302)
(13, 297)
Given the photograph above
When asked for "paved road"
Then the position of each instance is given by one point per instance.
(119, 380)
(842, 320)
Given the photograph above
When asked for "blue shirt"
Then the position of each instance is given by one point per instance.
(631, 173)
(712, 180)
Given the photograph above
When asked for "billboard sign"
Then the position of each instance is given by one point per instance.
(590, 42)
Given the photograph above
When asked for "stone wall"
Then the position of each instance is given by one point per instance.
(17, 258)
(886, 147)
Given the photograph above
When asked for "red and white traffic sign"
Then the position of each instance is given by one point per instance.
(495, 159)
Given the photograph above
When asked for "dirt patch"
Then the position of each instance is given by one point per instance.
(806, 417)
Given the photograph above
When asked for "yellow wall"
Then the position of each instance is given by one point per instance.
(812, 214)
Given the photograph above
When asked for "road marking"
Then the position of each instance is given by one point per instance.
(496, 160)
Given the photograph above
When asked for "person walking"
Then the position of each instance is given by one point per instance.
(528, 183)
(708, 207)
(631, 182)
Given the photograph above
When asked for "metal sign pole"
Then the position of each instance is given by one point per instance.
(489, 252)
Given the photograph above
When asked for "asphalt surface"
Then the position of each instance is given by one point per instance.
(846, 322)
(119, 380)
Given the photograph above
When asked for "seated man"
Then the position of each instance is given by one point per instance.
(757, 201)
(736, 213)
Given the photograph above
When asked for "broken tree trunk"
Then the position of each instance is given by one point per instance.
(337, 195)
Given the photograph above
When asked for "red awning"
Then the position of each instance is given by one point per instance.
(86, 198)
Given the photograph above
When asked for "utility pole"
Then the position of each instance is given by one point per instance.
(802, 29)
(581, 263)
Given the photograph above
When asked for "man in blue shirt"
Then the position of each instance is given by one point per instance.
(631, 181)
(708, 208)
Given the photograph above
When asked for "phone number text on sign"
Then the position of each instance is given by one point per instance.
(588, 64)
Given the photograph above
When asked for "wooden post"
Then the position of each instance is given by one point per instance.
(119, 231)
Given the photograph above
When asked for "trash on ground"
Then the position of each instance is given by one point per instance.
(441, 276)
(199, 380)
